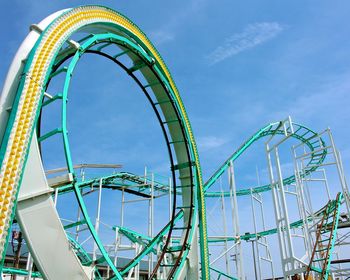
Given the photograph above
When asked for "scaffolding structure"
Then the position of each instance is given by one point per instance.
(229, 263)
(297, 194)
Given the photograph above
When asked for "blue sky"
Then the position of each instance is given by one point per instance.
(238, 65)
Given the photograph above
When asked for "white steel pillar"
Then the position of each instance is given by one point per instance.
(281, 212)
(260, 241)
(150, 221)
(29, 267)
(228, 271)
(341, 173)
(98, 213)
(235, 221)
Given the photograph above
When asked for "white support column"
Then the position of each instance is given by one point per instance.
(303, 212)
(289, 266)
(29, 267)
(150, 222)
(116, 245)
(341, 173)
(122, 208)
(305, 189)
(228, 271)
(257, 257)
(261, 242)
(77, 229)
(98, 214)
(137, 268)
(235, 221)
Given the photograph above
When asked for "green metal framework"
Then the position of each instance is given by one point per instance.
(301, 133)
(167, 106)
(95, 44)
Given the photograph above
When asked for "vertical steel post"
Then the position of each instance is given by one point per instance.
(122, 208)
(98, 213)
(281, 213)
(256, 234)
(116, 246)
(341, 174)
(235, 221)
(150, 221)
(225, 231)
(29, 267)
(77, 229)
(255, 271)
(284, 207)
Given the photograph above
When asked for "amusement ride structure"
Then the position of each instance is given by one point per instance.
(183, 247)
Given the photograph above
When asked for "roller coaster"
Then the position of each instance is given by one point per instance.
(183, 247)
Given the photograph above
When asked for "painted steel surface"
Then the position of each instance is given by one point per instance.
(27, 103)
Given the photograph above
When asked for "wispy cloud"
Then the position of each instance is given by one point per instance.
(210, 142)
(253, 35)
(161, 36)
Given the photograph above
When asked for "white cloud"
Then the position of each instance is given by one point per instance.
(210, 142)
(161, 36)
(253, 35)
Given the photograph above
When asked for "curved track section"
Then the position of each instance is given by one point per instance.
(39, 60)
(301, 133)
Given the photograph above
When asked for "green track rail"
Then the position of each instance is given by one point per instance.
(160, 90)
(89, 46)
(301, 133)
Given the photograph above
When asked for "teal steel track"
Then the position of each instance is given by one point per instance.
(301, 133)
(164, 98)
(94, 44)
